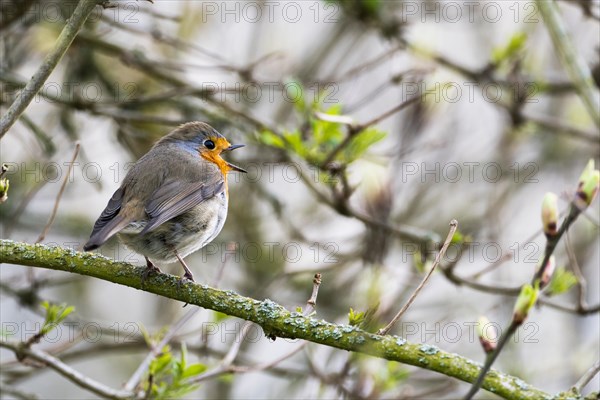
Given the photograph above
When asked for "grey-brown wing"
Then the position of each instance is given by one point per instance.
(175, 198)
(106, 222)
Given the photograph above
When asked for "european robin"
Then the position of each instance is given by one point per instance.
(173, 201)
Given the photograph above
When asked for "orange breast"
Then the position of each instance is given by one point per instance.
(219, 162)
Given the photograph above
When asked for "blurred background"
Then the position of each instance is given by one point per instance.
(344, 179)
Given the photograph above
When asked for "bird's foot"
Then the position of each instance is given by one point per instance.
(150, 270)
(187, 277)
(188, 274)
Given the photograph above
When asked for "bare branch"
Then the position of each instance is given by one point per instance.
(587, 377)
(226, 364)
(581, 281)
(74, 376)
(453, 227)
(312, 302)
(59, 196)
(268, 364)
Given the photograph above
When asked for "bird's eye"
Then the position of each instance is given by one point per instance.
(209, 144)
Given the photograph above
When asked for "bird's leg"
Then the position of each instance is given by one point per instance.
(151, 266)
(151, 269)
(188, 273)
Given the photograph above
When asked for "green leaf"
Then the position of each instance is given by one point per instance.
(170, 374)
(561, 282)
(55, 314)
(294, 142)
(327, 134)
(146, 335)
(219, 316)
(183, 357)
(511, 49)
(179, 391)
(526, 300)
(160, 390)
(355, 318)
(271, 139)
(361, 142)
(193, 370)
(65, 313)
(160, 363)
(316, 143)
(363, 320)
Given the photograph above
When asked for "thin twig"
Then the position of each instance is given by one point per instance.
(74, 376)
(556, 125)
(231, 247)
(587, 377)
(361, 68)
(242, 369)
(235, 348)
(581, 282)
(390, 112)
(226, 364)
(513, 291)
(453, 227)
(72, 27)
(45, 141)
(312, 302)
(59, 195)
(268, 364)
(161, 37)
(576, 67)
(409, 233)
(491, 357)
(336, 379)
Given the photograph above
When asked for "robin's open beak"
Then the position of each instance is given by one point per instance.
(234, 146)
(235, 167)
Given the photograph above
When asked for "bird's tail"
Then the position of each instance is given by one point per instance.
(105, 232)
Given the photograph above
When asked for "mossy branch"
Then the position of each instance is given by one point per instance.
(272, 317)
